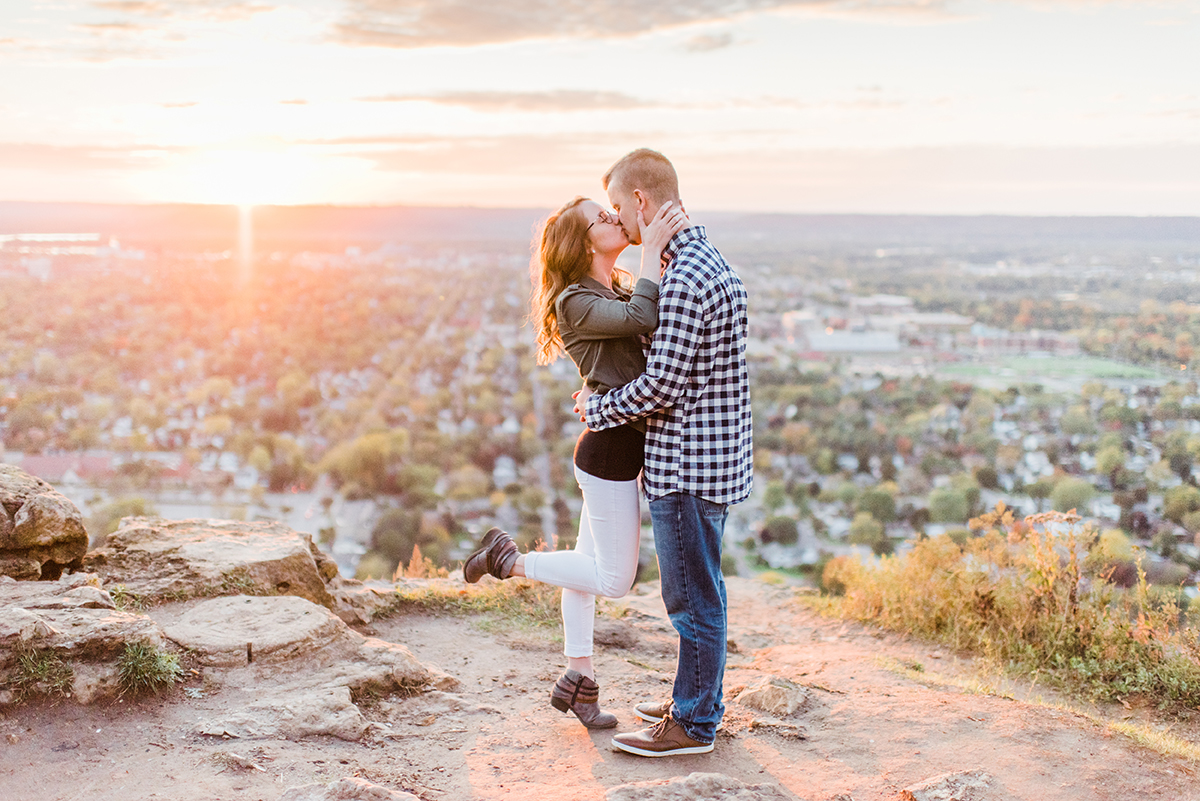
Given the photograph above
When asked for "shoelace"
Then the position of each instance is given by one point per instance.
(660, 728)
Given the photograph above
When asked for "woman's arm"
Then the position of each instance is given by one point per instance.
(667, 222)
(590, 315)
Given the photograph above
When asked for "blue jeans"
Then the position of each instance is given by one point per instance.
(687, 537)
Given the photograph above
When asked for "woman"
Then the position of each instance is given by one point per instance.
(582, 305)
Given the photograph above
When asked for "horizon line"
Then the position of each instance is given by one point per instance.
(547, 209)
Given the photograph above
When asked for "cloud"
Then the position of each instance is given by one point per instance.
(708, 42)
(420, 23)
(559, 100)
(1185, 113)
(59, 158)
(517, 154)
(507, 155)
(569, 100)
(110, 28)
(221, 10)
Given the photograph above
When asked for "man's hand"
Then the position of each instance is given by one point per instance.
(581, 402)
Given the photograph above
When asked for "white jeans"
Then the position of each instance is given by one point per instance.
(604, 561)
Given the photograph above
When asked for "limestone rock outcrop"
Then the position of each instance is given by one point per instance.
(74, 622)
(41, 531)
(240, 629)
(178, 559)
(300, 666)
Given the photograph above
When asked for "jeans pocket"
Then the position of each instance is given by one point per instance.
(712, 510)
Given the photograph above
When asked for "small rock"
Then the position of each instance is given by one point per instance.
(93, 681)
(773, 695)
(696, 787)
(232, 760)
(961, 786)
(792, 730)
(13, 739)
(347, 789)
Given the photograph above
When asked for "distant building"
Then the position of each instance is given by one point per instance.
(829, 340)
(70, 468)
(995, 341)
(882, 305)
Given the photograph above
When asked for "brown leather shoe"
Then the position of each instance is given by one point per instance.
(653, 711)
(496, 555)
(581, 695)
(665, 738)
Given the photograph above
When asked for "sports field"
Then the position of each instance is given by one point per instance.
(1023, 367)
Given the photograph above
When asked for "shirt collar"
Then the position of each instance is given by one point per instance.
(692, 233)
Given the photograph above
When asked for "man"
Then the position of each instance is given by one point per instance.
(695, 398)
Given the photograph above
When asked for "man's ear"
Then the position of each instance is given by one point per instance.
(639, 199)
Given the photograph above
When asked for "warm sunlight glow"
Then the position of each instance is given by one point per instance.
(246, 177)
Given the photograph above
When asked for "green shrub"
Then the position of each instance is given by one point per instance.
(104, 520)
(959, 536)
(948, 505)
(374, 565)
(780, 529)
(866, 530)
(126, 600)
(144, 666)
(878, 503)
(40, 671)
(1071, 493)
(1179, 501)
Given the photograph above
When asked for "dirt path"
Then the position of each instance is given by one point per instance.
(868, 730)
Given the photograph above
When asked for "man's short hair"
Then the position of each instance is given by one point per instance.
(647, 170)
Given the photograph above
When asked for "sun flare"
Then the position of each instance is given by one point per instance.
(247, 177)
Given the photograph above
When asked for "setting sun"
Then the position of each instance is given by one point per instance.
(242, 177)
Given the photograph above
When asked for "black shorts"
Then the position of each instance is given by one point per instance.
(614, 454)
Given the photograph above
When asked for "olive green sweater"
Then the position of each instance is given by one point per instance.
(600, 328)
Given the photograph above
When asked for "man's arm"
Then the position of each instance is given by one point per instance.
(668, 370)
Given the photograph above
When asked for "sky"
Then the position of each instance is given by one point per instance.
(1074, 107)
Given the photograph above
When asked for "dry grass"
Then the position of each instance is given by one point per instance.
(516, 600)
(1018, 595)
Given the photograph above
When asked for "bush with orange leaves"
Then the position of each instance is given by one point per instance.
(1017, 594)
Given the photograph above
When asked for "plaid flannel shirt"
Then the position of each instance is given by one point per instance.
(695, 393)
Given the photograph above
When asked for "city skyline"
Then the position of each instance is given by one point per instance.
(903, 106)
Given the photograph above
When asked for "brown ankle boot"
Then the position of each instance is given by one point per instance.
(496, 556)
(581, 695)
